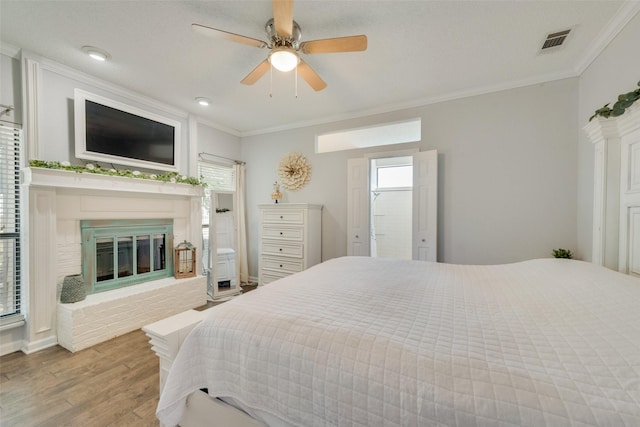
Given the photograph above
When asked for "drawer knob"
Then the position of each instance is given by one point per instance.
(281, 233)
(280, 265)
(280, 249)
(281, 217)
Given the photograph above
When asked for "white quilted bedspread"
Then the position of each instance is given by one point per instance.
(375, 342)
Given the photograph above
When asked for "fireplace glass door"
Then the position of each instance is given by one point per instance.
(125, 252)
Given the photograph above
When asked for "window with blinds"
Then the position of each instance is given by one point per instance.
(10, 146)
(217, 177)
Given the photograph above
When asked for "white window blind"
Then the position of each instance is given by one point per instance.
(10, 146)
(217, 177)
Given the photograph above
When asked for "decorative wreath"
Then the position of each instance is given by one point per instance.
(294, 171)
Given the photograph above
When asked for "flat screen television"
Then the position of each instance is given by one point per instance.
(112, 132)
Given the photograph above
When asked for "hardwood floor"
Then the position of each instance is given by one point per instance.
(115, 383)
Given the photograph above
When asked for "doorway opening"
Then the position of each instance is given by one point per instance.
(390, 206)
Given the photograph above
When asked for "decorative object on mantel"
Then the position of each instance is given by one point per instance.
(562, 253)
(624, 101)
(294, 171)
(184, 259)
(73, 289)
(276, 195)
(172, 177)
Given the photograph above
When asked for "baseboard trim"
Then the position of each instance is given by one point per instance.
(10, 347)
(33, 346)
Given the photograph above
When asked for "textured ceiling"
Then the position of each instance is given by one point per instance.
(418, 51)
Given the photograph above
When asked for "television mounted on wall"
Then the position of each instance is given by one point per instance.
(113, 132)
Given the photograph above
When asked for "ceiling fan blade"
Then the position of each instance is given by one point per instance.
(338, 44)
(311, 76)
(283, 17)
(213, 32)
(256, 73)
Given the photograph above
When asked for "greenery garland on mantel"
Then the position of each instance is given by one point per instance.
(172, 177)
(624, 101)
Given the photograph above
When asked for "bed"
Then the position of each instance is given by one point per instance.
(359, 341)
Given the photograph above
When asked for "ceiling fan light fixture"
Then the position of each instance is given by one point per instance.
(284, 59)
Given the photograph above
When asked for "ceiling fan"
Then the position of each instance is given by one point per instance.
(284, 35)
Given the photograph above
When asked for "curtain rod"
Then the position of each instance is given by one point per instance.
(238, 162)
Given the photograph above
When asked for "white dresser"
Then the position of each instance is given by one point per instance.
(290, 239)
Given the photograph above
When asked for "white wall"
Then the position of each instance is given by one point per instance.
(616, 70)
(507, 174)
(10, 88)
(214, 141)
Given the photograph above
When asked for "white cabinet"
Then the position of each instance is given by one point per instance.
(616, 197)
(223, 280)
(290, 239)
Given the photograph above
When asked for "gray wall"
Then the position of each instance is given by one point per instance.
(214, 141)
(507, 174)
(616, 70)
(10, 88)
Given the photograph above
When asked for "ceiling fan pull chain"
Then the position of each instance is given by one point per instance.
(271, 81)
(296, 82)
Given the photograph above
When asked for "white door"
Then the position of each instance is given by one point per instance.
(358, 243)
(425, 206)
(629, 224)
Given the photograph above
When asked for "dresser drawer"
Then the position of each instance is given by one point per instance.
(285, 233)
(283, 216)
(270, 276)
(270, 247)
(282, 264)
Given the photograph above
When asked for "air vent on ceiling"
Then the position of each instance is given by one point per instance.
(555, 39)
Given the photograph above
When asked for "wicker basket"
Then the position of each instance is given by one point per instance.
(73, 289)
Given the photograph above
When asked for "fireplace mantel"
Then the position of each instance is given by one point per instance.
(57, 202)
(57, 178)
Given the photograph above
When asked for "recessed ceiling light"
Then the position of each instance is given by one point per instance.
(203, 101)
(96, 53)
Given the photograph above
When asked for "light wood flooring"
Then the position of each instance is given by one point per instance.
(114, 383)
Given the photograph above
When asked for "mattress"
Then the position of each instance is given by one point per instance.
(359, 341)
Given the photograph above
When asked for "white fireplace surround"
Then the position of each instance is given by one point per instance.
(57, 201)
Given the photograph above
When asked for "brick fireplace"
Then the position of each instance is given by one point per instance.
(58, 201)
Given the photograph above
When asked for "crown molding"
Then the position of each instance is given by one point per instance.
(65, 71)
(218, 126)
(10, 50)
(619, 21)
(417, 103)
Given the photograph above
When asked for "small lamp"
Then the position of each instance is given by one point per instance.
(276, 195)
(184, 260)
